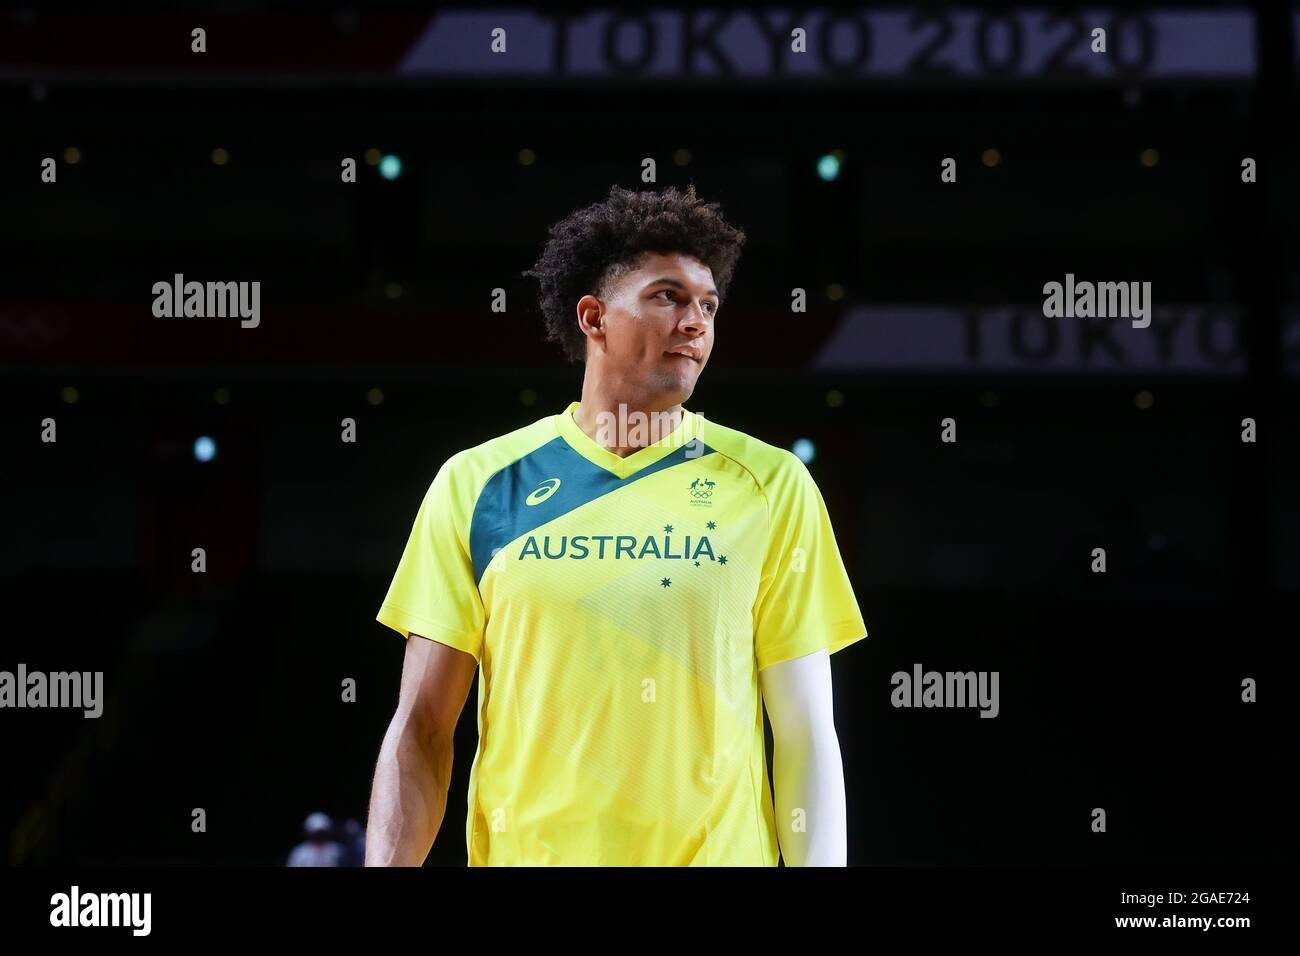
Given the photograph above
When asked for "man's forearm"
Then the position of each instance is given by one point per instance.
(409, 795)
(808, 779)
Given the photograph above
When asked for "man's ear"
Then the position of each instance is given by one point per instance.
(591, 317)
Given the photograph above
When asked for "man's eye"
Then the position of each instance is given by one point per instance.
(672, 294)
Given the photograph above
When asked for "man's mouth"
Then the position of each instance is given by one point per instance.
(685, 352)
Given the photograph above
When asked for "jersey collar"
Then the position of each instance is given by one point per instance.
(588, 448)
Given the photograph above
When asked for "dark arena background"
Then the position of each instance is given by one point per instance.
(920, 173)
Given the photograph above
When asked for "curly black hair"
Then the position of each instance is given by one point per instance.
(595, 245)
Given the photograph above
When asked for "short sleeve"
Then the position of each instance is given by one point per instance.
(434, 593)
(805, 600)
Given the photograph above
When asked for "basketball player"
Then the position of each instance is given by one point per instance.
(627, 577)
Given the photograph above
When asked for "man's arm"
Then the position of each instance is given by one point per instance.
(409, 794)
(807, 771)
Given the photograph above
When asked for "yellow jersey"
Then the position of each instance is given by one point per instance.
(620, 610)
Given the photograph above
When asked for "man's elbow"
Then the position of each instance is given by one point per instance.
(423, 740)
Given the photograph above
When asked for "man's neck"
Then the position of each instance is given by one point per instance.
(622, 424)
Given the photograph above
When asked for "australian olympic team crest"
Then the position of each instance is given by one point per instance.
(701, 492)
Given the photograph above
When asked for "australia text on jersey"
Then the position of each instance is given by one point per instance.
(578, 547)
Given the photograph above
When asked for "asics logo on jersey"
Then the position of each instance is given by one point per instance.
(544, 491)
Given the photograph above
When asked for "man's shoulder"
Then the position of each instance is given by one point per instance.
(461, 478)
(769, 464)
(480, 461)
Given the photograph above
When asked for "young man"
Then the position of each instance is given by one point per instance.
(628, 576)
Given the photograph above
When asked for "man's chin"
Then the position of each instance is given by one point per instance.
(674, 389)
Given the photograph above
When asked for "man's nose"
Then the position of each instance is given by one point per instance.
(696, 318)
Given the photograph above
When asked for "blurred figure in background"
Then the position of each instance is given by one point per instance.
(320, 848)
(354, 840)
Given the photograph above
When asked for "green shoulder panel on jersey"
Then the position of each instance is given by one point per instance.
(467, 471)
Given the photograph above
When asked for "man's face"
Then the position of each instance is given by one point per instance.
(658, 327)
